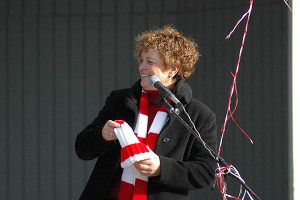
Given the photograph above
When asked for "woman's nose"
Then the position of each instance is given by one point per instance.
(142, 66)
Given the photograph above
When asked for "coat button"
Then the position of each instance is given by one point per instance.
(165, 140)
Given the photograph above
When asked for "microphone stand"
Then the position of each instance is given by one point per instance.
(217, 158)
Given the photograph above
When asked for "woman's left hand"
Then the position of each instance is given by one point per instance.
(149, 167)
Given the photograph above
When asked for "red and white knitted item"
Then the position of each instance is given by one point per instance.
(132, 150)
(133, 185)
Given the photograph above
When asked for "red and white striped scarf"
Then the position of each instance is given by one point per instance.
(133, 185)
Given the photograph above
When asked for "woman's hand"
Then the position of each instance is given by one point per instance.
(108, 132)
(149, 167)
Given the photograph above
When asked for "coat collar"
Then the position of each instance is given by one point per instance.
(183, 91)
(133, 96)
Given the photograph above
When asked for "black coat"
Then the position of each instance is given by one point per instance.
(185, 163)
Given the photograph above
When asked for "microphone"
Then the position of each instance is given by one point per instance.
(155, 82)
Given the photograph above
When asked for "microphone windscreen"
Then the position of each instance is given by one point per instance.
(152, 80)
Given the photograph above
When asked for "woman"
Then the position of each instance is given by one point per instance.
(180, 162)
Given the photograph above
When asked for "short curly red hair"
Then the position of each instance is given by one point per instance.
(175, 49)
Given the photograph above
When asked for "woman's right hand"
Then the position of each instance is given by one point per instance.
(108, 132)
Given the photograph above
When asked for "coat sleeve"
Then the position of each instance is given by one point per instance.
(89, 143)
(198, 168)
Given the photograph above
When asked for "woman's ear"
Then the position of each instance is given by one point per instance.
(173, 71)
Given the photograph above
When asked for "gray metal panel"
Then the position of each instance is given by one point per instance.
(47, 103)
(31, 109)
(15, 108)
(4, 165)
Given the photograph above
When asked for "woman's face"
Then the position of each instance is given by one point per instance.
(151, 63)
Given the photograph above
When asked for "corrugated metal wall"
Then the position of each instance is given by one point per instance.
(60, 59)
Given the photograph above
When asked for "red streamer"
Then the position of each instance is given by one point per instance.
(287, 4)
(221, 182)
(230, 112)
(220, 179)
